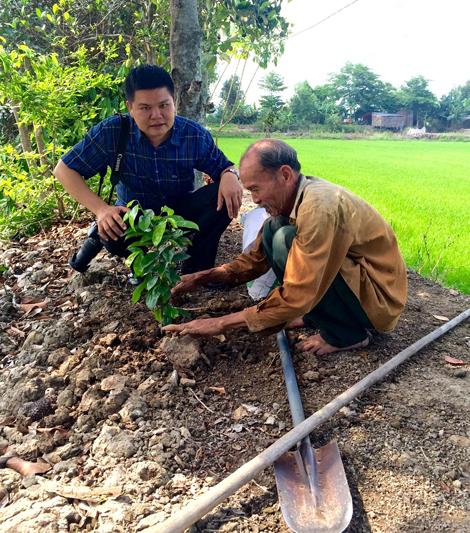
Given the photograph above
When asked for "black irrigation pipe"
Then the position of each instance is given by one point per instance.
(193, 511)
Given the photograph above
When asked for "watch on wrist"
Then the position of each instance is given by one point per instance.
(233, 171)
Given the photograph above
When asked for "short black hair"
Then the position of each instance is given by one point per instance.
(272, 154)
(147, 77)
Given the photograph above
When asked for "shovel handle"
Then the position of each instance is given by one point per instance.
(293, 393)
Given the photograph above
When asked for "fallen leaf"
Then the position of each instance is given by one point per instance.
(61, 430)
(453, 361)
(80, 492)
(239, 413)
(218, 390)
(15, 332)
(34, 312)
(444, 486)
(28, 308)
(441, 318)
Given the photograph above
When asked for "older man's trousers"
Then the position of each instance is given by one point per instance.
(200, 207)
(338, 315)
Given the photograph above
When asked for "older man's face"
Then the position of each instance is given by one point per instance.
(274, 191)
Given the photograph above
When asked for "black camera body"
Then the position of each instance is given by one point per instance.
(91, 247)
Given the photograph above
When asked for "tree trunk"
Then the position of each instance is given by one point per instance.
(41, 147)
(185, 54)
(24, 137)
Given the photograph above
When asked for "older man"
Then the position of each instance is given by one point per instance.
(336, 258)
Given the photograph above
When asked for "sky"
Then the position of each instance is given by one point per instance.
(397, 39)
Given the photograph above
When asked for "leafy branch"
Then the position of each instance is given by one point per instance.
(157, 245)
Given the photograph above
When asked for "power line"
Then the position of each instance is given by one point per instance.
(324, 19)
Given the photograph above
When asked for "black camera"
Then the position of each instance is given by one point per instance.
(91, 247)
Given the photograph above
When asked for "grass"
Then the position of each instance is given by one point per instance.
(421, 188)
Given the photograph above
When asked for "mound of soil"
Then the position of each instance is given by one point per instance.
(86, 384)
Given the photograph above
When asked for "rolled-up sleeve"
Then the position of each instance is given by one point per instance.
(248, 265)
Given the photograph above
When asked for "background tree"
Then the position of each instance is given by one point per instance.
(231, 94)
(358, 91)
(271, 103)
(454, 106)
(304, 105)
(415, 95)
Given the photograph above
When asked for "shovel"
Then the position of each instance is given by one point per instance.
(311, 483)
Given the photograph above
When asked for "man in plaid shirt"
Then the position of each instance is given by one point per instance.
(157, 169)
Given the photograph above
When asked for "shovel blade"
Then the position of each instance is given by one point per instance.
(319, 505)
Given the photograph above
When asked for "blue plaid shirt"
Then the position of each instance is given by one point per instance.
(150, 175)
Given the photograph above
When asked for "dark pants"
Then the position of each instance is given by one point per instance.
(200, 207)
(338, 315)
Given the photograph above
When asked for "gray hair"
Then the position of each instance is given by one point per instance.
(272, 154)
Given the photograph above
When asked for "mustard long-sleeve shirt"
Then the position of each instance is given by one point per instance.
(336, 232)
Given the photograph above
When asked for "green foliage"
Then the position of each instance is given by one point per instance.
(305, 106)
(158, 244)
(240, 28)
(271, 102)
(358, 90)
(27, 197)
(54, 105)
(133, 31)
(64, 99)
(415, 95)
(455, 106)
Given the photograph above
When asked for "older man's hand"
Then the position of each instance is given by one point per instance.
(187, 283)
(230, 192)
(201, 326)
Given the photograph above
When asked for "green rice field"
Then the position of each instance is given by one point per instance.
(422, 188)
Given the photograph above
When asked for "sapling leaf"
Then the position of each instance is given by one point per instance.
(132, 214)
(152, 297)
(137, 265)
(137, 293)
(146, 220)
(158, 233)
(168, 210)
(130, 259)
(182, 223)
(151, 282)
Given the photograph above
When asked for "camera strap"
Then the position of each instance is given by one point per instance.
(121, 149)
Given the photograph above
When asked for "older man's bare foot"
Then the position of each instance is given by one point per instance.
(26, 468)
(296, 323)
(318, 345)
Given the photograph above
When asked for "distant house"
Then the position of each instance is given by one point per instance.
(394, 121)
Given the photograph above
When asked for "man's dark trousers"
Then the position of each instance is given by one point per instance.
(338, 315)
(200, 207)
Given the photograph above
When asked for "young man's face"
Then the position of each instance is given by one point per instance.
(154, 113)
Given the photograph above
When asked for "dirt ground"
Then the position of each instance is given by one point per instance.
(86, 384)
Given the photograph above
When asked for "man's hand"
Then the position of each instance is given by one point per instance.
(230, 192)
(201, 326)
(208, 326)
(187, 283)
(110, 223)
